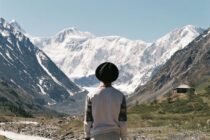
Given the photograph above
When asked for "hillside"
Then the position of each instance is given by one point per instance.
(13, 102)
(16, 102)
(190, 65)
(183, 118)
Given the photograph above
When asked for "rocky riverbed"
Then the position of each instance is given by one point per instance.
(66, 128)
(70, 128)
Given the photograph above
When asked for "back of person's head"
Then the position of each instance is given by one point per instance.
(107, 72)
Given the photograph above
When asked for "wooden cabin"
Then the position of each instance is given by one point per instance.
(183, 88)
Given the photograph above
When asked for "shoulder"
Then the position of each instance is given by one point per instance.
(118, 92)
(94, 92)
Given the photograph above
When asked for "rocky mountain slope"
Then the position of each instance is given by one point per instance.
(190, 65)
(32, 70)
(14, 101)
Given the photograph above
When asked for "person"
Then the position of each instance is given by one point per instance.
(105, 109)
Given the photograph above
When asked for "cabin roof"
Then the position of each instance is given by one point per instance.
(183, 86)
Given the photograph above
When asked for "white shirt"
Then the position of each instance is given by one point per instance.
(105, 112)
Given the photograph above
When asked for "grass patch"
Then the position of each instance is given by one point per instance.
(192, 113)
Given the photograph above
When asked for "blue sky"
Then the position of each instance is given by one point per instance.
(134, 19)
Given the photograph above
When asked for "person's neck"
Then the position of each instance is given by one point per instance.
(106, 84)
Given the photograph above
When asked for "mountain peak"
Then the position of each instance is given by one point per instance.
(193, 28)
(70, 30)
(178, 33)
(190, 26)
(17, 26)
(4, 23)
(73, 31)
(2, 20)
(5, 27)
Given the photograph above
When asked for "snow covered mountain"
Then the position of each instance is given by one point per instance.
(79, 53)
(190, 65)
(161, 50)
(28, 67)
